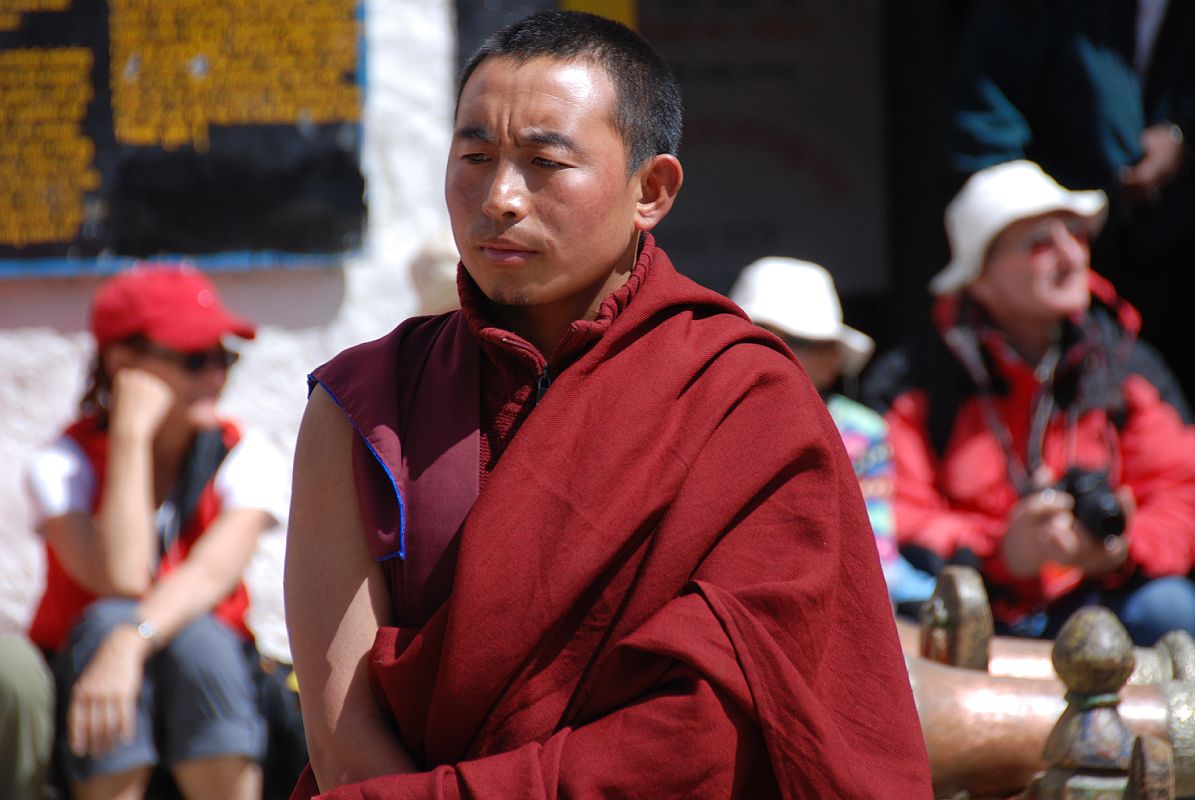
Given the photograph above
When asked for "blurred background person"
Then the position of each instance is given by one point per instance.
(797, 301)
(1034, 435)
(433, 274)
(26, 718)
(1101, 94)
(150, 505)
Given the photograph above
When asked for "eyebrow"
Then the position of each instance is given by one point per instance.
(553, 139)
(474, 132)
(534, 136)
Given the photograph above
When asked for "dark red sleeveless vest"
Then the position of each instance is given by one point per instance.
(415, 461)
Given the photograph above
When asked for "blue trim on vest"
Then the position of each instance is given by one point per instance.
(402, 511)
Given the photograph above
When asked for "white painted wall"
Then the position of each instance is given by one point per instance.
(305, 316)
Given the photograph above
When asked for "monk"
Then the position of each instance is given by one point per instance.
(594, 534)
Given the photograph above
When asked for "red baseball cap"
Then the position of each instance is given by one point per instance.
(175, 306)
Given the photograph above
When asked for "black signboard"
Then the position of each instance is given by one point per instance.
(223, 131)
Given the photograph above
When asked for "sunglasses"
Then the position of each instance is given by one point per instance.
(197, 361)
(1041, 238)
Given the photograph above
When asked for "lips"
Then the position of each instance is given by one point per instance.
(505, 252)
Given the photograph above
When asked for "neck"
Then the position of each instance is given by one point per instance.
(169, 448)
(1031, 339)
(545, 325)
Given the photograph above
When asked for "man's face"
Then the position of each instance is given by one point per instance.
(542, 208)
(1036, 270)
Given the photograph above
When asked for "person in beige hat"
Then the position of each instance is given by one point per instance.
(797, 301)
(1034, 435)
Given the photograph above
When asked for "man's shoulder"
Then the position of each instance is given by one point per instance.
(1140, 358)
(377, 359)
(411, 332)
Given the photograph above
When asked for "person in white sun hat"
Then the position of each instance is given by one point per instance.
(796, 300)
(1034, 435)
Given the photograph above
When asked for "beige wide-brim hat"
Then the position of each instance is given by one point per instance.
(994, 198)
(798, 298)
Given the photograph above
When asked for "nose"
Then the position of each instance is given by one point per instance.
(506, 199)
(1071, 248)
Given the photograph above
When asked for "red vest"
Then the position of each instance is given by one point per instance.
(64, 598)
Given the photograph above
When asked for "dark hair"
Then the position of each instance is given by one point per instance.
(94, 402)
(648, 115)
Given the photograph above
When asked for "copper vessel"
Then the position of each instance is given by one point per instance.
(1170, 659)
(986, 733)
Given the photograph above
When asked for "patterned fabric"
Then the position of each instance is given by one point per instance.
(865, 436)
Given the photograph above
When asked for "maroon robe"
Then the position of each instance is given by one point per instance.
(667, 587)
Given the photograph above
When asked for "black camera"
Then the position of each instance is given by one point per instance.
(1096, 505)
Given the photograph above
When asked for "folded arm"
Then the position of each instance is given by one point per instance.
(648, 747)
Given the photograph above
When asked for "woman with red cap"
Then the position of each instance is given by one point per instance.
(150, 504)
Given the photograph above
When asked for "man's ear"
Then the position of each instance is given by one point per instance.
(660, 180)
(978, 290)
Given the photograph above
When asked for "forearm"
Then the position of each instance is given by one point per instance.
(125, 533)
(684, 741)
(1157, 453)
(210, 572)
(1160, 539)
(182, 596)
(945, 531)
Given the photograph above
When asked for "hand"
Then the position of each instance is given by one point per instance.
(103, 709)
(1040, 529)
(1100, 556)
(140, 402)
(1144, 181)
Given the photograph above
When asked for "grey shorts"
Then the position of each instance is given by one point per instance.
(198, 699)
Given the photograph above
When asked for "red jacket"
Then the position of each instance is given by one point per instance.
(667, 585)
(64, 599)
(1116, 407)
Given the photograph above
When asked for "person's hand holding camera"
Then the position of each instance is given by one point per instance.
(1040, 529)
(1047, 525)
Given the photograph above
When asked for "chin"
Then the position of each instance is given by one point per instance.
(507, 290)
(1079, 304)
(202, 414)
(1067, 302)
(509, 296)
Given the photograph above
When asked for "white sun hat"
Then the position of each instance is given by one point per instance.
(994, 198)
(798, 298)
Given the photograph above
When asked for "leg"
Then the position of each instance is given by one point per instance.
(219, 778)
(125, 770)
(1156, 607)
(26, 718)
(122, 786)
(213, 733)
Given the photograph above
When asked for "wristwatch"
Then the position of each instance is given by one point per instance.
(146, 630)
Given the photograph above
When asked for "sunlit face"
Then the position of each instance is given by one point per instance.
(542, 208)
(196, 380)
(1037, 270)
